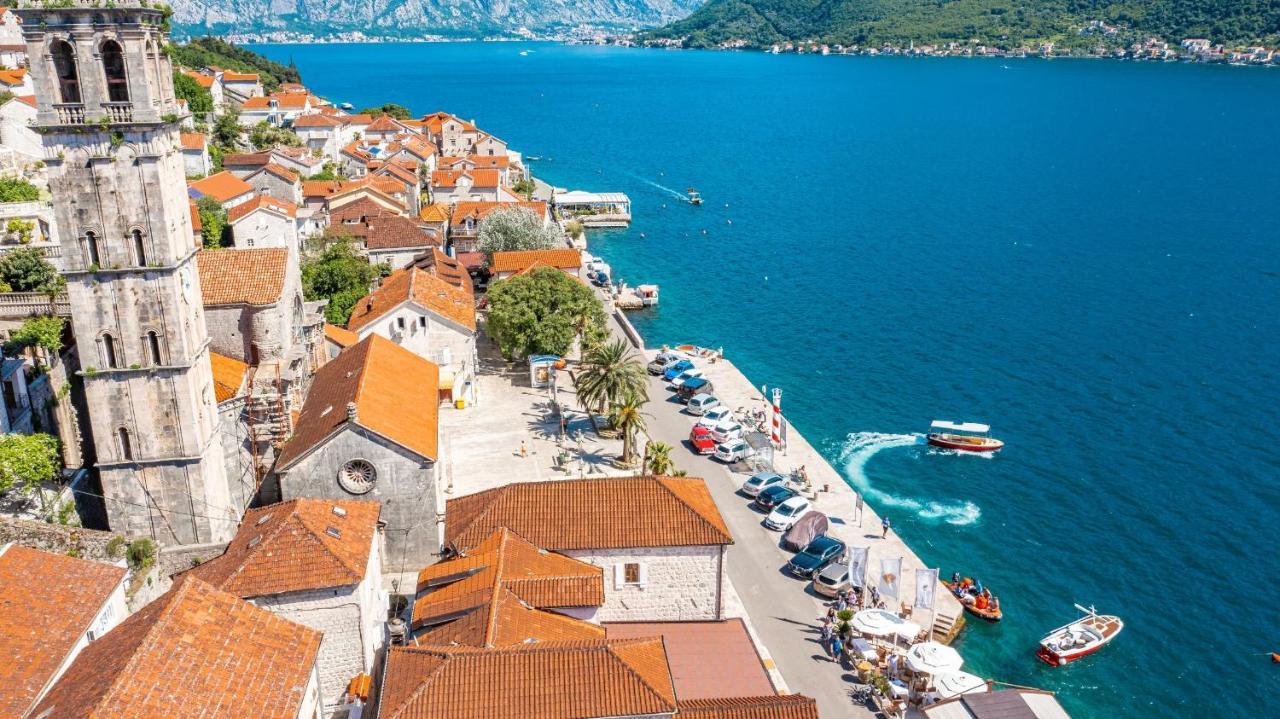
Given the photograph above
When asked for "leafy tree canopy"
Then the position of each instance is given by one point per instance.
(199, 100)
(213, 222)
(541, 312)
(338, 274)
(26, 460)
(202, 52)
(16, 189)
(26, 270)
(399, 112)
(43, 332)
(514, 228)
(264, 136)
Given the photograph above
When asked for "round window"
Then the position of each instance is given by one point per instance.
(357, 476)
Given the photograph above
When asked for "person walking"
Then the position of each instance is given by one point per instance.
(524, 449)
(828, 631)
(837, 650)
(885, 525)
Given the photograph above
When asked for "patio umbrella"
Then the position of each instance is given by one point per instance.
(933, 658)
(883, 623)
(957, 683)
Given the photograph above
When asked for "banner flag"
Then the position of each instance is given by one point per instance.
(858, 565)
(926, 583)
(890, 574)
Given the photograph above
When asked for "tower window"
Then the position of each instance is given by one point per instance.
(110, 351)
(153, 347)
(113, 67)
(126, 446)
(64, 66)
(91, 243)
(139, 248)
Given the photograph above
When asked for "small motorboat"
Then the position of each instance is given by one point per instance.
(963, 436)
(695, 198)
(970, 602)
(1080, 638)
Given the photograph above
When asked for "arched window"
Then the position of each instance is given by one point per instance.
(64, 66)
(139, 248)
(126, 446)
(95, 252)
(153, 347)
(113, 67)
(110, 352)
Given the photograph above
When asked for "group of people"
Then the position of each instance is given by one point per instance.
(971, 592)
(854, 599)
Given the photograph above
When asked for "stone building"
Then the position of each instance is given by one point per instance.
(110, 123)
(265, 221)
(663, 563)
(370, 428)
(317, 562)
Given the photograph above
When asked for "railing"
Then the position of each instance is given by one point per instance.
(118, 111)
(31, 304)
(70, 114)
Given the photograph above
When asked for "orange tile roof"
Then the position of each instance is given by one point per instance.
(196, 224)
(447, 268)
(222, 187)
(562, 258)
(485, 178)
(778, 706)
(228, 76)
(591, 514)
(47, 602)
(246, 159)
(242, 276)
(384, 123)
(194, 652)
(505, 620)
(282, 172)
(192, 140)
(434, 213)
(228, 376)
(708, 659)
(424, 290)
(358, 119)
(294, 546)
(13, 77)
(205, 81)
(503, 562)
(321, 188)
(480, 210)
(316, 120)
(261, 202)
(340, 336)
(490, 161)
(27, 99)
(546, 680)
(395, 392)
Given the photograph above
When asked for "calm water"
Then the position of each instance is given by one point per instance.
(1081, 253)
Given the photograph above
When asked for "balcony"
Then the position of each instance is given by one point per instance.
(70, 113)
(118, 111)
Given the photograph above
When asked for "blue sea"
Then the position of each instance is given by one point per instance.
(1081, 253)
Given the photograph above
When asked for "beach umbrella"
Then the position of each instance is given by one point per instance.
(933, 658)
(957, 683)
(883, 623)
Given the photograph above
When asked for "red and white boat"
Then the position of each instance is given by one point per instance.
(963, 436)
(1080, 638)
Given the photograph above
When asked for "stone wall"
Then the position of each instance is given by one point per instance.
(678, 583)
(57, 539)
(336, 613)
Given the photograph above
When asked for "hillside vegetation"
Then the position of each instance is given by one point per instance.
(205, 51)
(1000, 23)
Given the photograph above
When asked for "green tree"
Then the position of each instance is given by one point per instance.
(26, 270)
(399, 112)
(263, 136)
(226, 129)
(514, 228)
(26, 460)
(329, 171)
(199, 100)
(202, 52)
(659, 458)
(536, 312)
(20, 229)
(626, 417)
(525, 188)
(340, 275)
(608, 373)
(16, 189)
(213, 222)
(45, 331)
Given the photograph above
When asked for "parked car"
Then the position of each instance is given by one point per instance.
(730, 452)
(833, 579)
(700, 438)
(685, 376)
(693, 387)
(814, 558)
(762, 481)
(714, 416)
(786, 514)
(675, 368)
(727, 430)
(769, 498)
(662, 362)
(702, 401)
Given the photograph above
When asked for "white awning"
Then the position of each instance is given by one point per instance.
(960, 426)
(579, 197)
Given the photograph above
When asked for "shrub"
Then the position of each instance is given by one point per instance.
(26, 270)
(16, 189)
(45, 332)
(141, 554)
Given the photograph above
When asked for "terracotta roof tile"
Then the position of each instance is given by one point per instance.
(13, 77)
(320, 188)
(552, 680)
(246, 159)
(562, 258)
(196, 224)
(47, 602)
(281, 172)
(294, 546)
(434, 213)
(228, 376)
(319, 120)
(205, 81)
(262, 202)
(256, 103)
(384, 123)
(192, 140)
(424, 290)
(787, 706)
(505, 620)
(591, 514)
(340, 336)
(447, 268)
(242, 276)
(222, 187)
(229, 76)
(194, 652)
(395, 392)
(477, 211)
(27, 99)
(494, 162)
(708, 659)
(451, 178)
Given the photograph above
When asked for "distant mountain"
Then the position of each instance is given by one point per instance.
(415, 18)
(1000, 23)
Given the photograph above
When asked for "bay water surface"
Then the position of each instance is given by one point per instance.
(1081, 253)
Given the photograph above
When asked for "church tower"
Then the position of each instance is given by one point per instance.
(107, 112)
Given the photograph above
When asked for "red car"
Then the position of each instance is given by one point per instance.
(700, 438)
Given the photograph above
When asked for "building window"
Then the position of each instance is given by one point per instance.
(110, 352)
(113, 67)
(400, 323)
(153, 347)
(126, 446)
(422, 322)
(64, 66)
(357, 476)
(95, 252)
(631, 572)
(139, 248)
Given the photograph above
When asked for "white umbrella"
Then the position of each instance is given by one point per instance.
(876, 622)
(933, 658)
(957, 683)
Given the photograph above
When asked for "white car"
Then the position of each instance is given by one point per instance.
(727, 430)
(762, 481)
(714, 416)
(786, 514)
(700, 403)
(733, 451)
(685, 376)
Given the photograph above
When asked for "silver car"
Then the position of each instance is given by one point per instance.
(832, 580)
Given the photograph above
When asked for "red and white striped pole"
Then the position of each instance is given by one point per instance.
(777, 418)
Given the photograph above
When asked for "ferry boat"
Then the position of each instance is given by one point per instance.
(1080, 638)
(963, 436)
(695, 197)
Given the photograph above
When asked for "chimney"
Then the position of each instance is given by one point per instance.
(351, 411)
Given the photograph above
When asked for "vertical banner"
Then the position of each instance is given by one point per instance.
(926, 583)
(857, 506)
(858, 565)
(890, 575)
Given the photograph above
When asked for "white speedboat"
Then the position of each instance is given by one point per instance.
(1080, 638)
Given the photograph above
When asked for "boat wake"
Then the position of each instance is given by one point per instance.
(678, 195)
(860, 447)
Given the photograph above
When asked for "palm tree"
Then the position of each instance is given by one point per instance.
(626, 417)
(659, 458)
(609, 373)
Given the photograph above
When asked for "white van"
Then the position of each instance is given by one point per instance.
(700, 403)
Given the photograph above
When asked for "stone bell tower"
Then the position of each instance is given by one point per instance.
(106, 110)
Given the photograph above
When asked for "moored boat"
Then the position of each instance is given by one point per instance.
(1080, 638)
(963, 437)
(986, 608)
